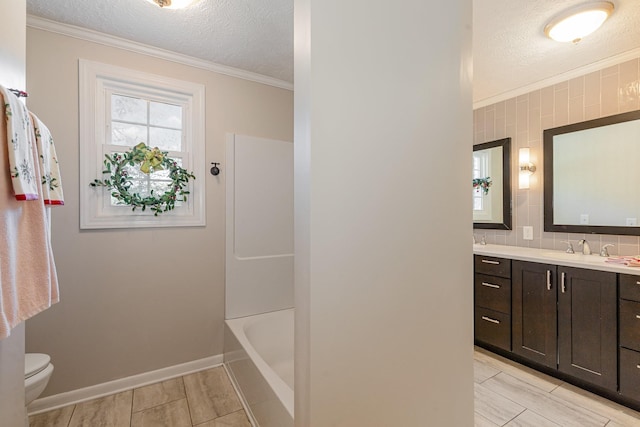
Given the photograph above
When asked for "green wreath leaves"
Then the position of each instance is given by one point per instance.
(149, 160)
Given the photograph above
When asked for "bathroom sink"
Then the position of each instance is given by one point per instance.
(562, 255)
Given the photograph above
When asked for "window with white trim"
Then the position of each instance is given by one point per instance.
(119, 108)
(481, 201)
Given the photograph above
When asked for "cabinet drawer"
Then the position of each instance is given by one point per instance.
(630, 373)
(493, 327)
(630, 324)
(492, 266)
(493, 292)
(630, 287)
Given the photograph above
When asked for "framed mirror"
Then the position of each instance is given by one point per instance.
(492, 185)
(591, 174)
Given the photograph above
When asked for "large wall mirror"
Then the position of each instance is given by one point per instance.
(492, 185)
(591, 176)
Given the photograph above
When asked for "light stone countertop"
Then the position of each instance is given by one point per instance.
(550, 256)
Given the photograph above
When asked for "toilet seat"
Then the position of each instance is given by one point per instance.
(35, 363)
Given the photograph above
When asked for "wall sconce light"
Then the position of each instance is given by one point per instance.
(576, 23)
(526, 168)
(172, 4)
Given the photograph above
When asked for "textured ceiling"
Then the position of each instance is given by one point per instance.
(510, 49)
(253, 35)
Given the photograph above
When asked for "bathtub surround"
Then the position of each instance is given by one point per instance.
(13, 75)
(612, 90)
(383, 310)
(111, 323)
(259, 223)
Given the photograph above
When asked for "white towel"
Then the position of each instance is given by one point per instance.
(51, 181)
(19, 143)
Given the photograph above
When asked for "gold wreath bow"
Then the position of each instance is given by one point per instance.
(152, 158)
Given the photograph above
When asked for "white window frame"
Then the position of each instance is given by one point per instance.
(97, 82)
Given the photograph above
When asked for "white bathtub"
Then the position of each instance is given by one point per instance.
(259, 356)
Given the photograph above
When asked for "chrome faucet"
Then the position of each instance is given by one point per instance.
(586, 249)
(569, 247)
(483, 240)
(604, 251)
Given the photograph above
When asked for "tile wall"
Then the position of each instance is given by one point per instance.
(602, 93)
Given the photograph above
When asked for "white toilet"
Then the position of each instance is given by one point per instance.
(37, 371)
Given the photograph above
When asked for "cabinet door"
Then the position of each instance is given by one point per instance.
(587, 332)
(534, 315)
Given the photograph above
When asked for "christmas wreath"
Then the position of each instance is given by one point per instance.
(149, 160)
(482, 183)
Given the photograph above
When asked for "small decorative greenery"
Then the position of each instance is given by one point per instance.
(482, 183)
(149, 160)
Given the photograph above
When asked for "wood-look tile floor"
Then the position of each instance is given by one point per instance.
(506, 394)
(512, 395)
(203, 399)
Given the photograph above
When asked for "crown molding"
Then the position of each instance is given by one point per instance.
(120, 43)
(559, 78)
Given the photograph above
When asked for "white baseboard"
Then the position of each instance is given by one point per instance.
(99, 390)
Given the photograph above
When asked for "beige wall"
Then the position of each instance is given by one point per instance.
(139, 299)
(603, 93)
(12, 75)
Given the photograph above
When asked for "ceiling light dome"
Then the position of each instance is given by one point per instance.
(578, 22)
(172, 4)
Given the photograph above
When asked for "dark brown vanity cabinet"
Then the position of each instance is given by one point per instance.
(565, 318)
(535, 318)
(630, 336)
(587, 326)
(492, 301)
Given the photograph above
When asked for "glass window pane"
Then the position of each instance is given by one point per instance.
(166, 115)
(477, 204)
(163, 174)
(160, 187)
(165, 139)
(137, 186)
(128, 109)
(140, 186)
(135, 172)
(126, 134)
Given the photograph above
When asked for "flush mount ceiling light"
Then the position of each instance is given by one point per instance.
(578, 22)
(172, 4)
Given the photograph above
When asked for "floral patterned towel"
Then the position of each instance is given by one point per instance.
(631, 261)
(51, 181)
(19, 147)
